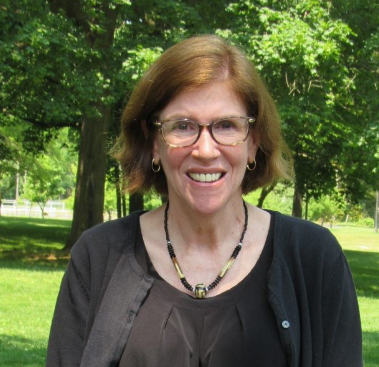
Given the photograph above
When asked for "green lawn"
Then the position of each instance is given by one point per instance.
(32, 265)
(31, 269)
(361, 247)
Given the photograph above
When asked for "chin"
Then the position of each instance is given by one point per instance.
(209, 205)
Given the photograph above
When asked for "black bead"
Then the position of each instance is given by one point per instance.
(218, 278)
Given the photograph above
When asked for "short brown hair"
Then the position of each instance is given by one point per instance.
(186, 66)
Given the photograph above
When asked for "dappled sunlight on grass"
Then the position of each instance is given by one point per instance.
(365, 268)
(29, 351)
(28, 242)
(34, 229)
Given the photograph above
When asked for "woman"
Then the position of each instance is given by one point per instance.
(206, 279)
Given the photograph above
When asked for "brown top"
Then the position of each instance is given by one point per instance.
(234, 328)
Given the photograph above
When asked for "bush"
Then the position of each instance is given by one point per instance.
(366, 222)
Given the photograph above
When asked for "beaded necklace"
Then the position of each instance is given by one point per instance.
(200, 289)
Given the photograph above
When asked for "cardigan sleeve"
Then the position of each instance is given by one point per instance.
(342, 343)
(67, 335)
(311, 286)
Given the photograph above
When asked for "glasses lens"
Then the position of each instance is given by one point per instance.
(180, 132)
(231, 130)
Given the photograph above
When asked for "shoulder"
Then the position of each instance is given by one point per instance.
(114, 230)
(295, 229)
(99, 242)
(298, 240)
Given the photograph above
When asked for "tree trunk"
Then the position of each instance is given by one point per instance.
(90, 182)
(297, 203)
(135, 202)
(123, 202)
(90, 179)
(264, 193)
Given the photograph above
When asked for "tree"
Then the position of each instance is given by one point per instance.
(50, 176)
(324, 209)
(70, 63)
(299, 49)
(11, 161)
(5, 157)
(304, 53)
(361, 158)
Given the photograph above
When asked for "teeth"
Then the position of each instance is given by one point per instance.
(205, 177)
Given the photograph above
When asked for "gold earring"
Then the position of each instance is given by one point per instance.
(155, 167)
(252, 166)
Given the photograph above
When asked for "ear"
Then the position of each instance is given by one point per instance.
(253, 145)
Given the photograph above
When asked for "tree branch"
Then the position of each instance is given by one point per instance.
(49, 125)
(74, 10)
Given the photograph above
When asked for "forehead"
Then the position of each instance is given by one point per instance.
(208, 102)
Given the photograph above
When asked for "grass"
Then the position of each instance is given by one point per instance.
(33, 241)
(361, 247)
(26, 308)
(31, 269)
(32, 265)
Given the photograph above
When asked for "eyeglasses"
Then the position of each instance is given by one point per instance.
(183, 132)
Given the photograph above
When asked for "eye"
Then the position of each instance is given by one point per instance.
(226, 125)
(182, 125)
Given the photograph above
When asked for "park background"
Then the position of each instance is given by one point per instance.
(67, 69)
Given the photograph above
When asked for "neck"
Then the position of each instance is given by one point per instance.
(189, 230)
(201, 289)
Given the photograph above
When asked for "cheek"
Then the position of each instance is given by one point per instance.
(172, 158)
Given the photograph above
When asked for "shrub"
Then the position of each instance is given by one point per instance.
(366, 222)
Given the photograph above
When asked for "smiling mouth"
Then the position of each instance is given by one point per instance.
(205, 177)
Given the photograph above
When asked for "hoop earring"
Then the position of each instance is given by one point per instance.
(155, 167)
(252, 166)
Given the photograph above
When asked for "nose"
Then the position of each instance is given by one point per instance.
(206, 148)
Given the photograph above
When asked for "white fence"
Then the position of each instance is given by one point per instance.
(53, 209)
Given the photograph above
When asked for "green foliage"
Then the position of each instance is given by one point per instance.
(366, 222)
(110, 204)
(51, 175)
(12, 159)
(39, 83)
(325, 209)
(280, 199)
(151, 201)
(62, 61)
(305, 54)
(298, 48)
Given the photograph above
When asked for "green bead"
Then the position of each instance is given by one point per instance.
(200, 290)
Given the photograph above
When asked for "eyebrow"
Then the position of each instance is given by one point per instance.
(179, 116)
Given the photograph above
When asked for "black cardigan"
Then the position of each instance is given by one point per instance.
(311, 292)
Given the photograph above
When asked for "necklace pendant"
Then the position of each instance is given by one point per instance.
(200, 290)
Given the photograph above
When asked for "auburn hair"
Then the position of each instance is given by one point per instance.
(188, 65)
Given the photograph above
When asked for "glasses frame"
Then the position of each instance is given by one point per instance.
(250, 121)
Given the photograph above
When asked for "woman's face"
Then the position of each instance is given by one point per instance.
(226, 164)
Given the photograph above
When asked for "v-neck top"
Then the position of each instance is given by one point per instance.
(236, 328)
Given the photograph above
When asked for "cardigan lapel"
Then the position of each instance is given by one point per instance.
(127, 289)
